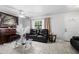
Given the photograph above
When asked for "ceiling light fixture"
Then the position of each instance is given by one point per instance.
(21, 14)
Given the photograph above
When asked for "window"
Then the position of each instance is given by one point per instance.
(38, 24)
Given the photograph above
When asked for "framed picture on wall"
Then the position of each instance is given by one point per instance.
(7, 20)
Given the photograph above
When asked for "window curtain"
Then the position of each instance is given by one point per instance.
(47, 24)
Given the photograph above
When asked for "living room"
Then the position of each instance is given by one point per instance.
(39, 29)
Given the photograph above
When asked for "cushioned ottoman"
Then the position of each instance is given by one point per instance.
(75, 42)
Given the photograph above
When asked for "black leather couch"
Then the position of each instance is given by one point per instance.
(38, 35)
(75, 42)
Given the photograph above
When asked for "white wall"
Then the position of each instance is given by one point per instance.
(65, 25)
(71, 24)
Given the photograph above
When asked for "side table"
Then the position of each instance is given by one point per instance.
(52, 38)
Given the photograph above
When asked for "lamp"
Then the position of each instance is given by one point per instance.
(21, 14)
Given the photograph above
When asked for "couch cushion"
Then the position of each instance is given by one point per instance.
(33, 31)
(75, 37)
(43, 32)
(40, 36)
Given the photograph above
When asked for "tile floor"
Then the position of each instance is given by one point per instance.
(59, 47)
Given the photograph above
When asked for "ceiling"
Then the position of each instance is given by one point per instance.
(38, 10)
